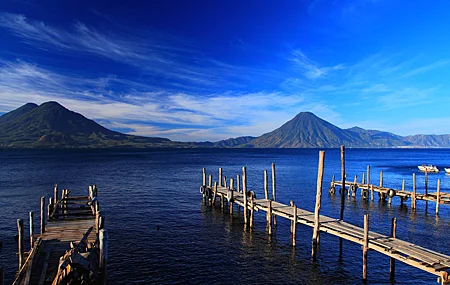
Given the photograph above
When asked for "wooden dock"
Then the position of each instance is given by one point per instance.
(422, 258)
(71, 245)
(368, 191)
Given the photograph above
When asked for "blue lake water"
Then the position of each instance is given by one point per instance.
(160, 232)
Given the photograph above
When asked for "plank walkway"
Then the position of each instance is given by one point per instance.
(72, 222)
(422, 258)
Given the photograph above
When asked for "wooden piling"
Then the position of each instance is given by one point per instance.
(31, 216)
(231, 189)
(252, 212)
(210, 181)
(266, 185)
(215, 193)
(392, 260)
(362, 179)
(204, 177)
(55, 193)
(274, 189)
(372, 192)
(42, 215)
(224, 181)
(220, 177)
(355, 185)
(365, 245)
(103, 240)
(413, 198)
(244, 184)
(341, 215)
(426, 182)
(294, 226)
(316, 231)
(368, 175)
(438, 196)
(238, 183)
(381, 178)
(98, 214)
(20, 244)
(269, 213)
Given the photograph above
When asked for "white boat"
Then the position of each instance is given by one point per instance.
(429, 168)
(447, 170)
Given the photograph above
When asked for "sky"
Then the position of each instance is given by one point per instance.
(211, 70)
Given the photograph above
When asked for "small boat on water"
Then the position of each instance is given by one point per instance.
(447, 170)
(429, 168)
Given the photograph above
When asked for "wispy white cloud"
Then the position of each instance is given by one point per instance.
(311, 69)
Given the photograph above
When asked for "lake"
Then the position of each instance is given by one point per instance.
(160, 232)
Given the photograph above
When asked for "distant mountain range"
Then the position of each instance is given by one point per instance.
(52, 125)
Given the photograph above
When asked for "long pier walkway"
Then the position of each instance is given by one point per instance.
(71, 245)
(422, 258)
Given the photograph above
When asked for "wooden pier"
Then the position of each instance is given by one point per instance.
(368, 191)
(422, 258)
(71, 245)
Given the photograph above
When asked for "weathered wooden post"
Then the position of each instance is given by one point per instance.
(224, 181)
(244, 184)
(252, 212)
(31, 215)
(372, 192)
(204, 176)
(238, 183)
(20, 243)
(274, 190)
(363, 178)
(368, 176)
(403, 184)
(438, 197)
(230, 198)
(210, 181)
(381, 178)
(55, 193)
(413, 198)
(355, 186)
(294, 225)
(103, 244)
(220, 176)
(392, 261)
(215, 193)
(50, 207)
(341, 215)
(42, 215)
(426, 182)
(269, 213)
(365, 245)
(98, 214)
(316, 231)
(266, 185)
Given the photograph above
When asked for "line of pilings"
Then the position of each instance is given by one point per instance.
(270, 216)
(371, 189)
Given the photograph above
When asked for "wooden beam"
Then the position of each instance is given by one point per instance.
(316, 231)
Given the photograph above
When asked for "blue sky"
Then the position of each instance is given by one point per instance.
(211, 70)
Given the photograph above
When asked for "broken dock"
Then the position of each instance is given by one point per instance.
(71, 247)
(414, 255)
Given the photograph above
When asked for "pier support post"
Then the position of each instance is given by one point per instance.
(252, 212)
(220, 177)
(210, 181)
(438, 197)
(362, 179)
(413, 198)
(42, 215)
(426, 183)
(31, 216)
(20, 244)
(274, 189)
(341, 215)
(365, 245)
(230, 201)
(269, 213)
(294, 225)
(215, 193)
(316, 231)
(103, 244)
(238, 183)
(381, 178)
(55, 193)
(266, 185)
(204, 176)
(368, 176)
(224, 181)
(372, 192)
(392, 261)
(244, 184)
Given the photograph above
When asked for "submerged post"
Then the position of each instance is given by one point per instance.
(413, 198)
(20, 243)
(365, 245)
(316, 231)
(244, 184)
(341, 215)
(274, 190)
(392, 261)
(438, 197)
(42, 214)
(31, 215)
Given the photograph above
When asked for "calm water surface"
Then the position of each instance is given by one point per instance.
(160, 232)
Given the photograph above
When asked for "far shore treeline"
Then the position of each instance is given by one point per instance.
(51, 125)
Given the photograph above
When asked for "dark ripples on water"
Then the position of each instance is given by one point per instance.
(160, 232)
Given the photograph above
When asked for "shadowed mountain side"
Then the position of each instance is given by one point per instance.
(50, 124)
(237, 142)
